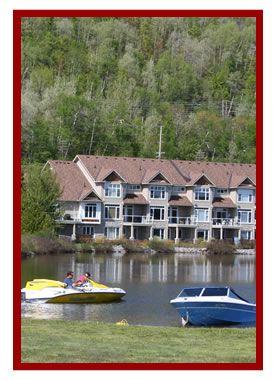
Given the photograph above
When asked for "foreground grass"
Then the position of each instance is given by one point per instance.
(56, 341)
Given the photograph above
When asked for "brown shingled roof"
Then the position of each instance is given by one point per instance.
(221, 174)
(73, 184)
(224, 202)
(177, 200)
(178, 173)
(133, 170)
(137, 199)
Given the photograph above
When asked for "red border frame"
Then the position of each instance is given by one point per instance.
(17, 15)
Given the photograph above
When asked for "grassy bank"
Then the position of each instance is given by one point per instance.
(56, 341)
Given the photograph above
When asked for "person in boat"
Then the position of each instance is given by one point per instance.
(83, 279)
(68, 280)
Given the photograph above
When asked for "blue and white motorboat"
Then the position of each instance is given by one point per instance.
(213, 306)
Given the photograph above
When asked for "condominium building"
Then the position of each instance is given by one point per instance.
(139, 198)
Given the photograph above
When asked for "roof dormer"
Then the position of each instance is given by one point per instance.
(203, 180)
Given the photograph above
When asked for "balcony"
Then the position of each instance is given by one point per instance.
(186, 221)
(225, 222)
(137, 219)
(74, 218)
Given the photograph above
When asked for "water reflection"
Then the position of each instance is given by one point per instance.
(143, 268)
(150, 282)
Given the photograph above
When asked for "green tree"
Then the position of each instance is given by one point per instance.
(40, 192)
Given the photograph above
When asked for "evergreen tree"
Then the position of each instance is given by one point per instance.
(40, 192)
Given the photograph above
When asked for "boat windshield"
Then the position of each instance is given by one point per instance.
(212, 292)
(233, 294)
(190, 292)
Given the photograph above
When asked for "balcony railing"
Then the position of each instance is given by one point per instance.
(225, 222)
(187, 220)
(140, 219)
(147, 219)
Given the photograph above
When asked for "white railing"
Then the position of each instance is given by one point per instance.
(182, 220)
(147, 219)
(225, 222)
(140, 219)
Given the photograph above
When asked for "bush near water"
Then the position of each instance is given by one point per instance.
(46, 242)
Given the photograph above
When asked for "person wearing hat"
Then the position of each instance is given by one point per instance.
(68, 280)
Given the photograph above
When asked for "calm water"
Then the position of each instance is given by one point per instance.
(150, 282)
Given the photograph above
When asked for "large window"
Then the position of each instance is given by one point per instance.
(202, 234)
(159, 232)
(173, 214)
(112, 190)
(112, 211)
(157, 192)
(245, 235)
(245, 216)
(245, 196)
(88, 230)
(202, 193)
(157, 213)
(202, 214)
(90, 210)
(112, 233)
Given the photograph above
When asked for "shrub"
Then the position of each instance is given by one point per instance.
(43, 243)
(220, 247)
(161, 246)
(102, 245)
(134, 246)
(247, 244)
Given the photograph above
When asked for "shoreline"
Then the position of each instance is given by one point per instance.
(44, 243)
(120, 251)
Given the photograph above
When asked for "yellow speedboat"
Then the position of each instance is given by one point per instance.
(51, 291)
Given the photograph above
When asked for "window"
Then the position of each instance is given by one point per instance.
(202, 193)
(245, 216)
(134, 187)
(157, 192)
(245, 196)
(159, 232)
(178, 189)
(220, 192)
(173, 214)
(190, 292)
(112, 211)
(157, 213)
(213, 292)
(202, 234)
(202, 214)
(112, 190)
(112, 233)
(128, 213)
(88, 230)
(90, 211)
(245, 235)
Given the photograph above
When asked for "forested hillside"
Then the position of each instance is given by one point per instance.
(105, 86)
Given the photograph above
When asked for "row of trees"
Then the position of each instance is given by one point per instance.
(105, 85)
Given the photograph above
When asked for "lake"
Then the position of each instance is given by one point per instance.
(150, 282)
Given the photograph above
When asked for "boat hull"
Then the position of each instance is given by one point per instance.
(87, 298)
(61, 295)
(216, 314)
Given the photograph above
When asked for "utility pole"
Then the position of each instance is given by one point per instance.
(159, 153)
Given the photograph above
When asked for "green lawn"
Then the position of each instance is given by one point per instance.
(51, 341)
